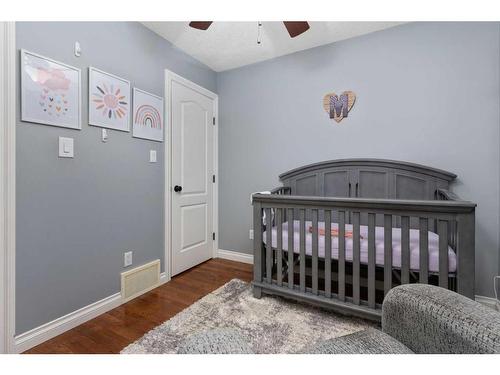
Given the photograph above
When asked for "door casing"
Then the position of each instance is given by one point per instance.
(169, 77)
(8, 185)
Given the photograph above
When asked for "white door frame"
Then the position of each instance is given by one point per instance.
(8, 184)
(169, 77)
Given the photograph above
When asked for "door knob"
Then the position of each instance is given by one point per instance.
(177, 188)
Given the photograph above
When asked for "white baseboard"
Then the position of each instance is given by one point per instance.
(487, 301)
(236, 256)
(163, 278)
(36, 336)
(60, 325)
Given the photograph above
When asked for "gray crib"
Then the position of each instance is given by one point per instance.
(340, 234)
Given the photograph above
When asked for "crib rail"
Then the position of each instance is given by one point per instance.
(349, 285)
(281, 190)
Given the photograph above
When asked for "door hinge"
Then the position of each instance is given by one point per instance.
(213, 236)
(213, 120)
(213, 178)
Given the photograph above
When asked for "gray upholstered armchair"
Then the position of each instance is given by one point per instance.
(419, 318)
(416, 318)
(428, 319)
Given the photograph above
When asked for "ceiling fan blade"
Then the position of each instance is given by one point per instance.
(296, 27)
(200, 25)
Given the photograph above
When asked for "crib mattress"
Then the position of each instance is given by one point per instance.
(379, 246)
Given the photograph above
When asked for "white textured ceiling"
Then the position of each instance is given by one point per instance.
(228, 45)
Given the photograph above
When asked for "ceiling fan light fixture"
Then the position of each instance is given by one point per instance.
(200, 25)
(295, 28)
(259, 27)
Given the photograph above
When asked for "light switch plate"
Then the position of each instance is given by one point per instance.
(66, 147)
(152, 156)
(250, 234)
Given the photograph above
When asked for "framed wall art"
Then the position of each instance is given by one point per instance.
(147, 117)
(109, 100)
(50, 91)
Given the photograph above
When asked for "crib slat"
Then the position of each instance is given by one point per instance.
(269, 246)
(279, 247)
(405, 250)
(424, 250)
(302, 216)
(371, 260)
(328, 253)
(290, 248)
(387, 253)
(355, 257)
(314, 251)
(443, 253)
(341, 262)
(258, 265)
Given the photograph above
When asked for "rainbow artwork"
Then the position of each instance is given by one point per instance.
(148, 116)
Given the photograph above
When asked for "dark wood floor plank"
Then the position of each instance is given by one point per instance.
(112, 331)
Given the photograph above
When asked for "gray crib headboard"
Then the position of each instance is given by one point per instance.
(367, 178)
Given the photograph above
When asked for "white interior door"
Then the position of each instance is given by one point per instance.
(192, 170)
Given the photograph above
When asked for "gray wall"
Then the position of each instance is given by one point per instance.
(426, 93)
(76, 217)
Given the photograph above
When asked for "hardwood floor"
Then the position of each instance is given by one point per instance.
(112, 331)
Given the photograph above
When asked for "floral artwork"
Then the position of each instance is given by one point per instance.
(50, 92)
(109, 100)
(147, 116)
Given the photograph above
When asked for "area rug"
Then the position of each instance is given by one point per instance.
(270, 324)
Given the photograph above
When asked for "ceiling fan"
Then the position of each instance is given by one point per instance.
(294, 28)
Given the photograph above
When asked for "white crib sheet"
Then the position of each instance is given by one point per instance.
(379, 246)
